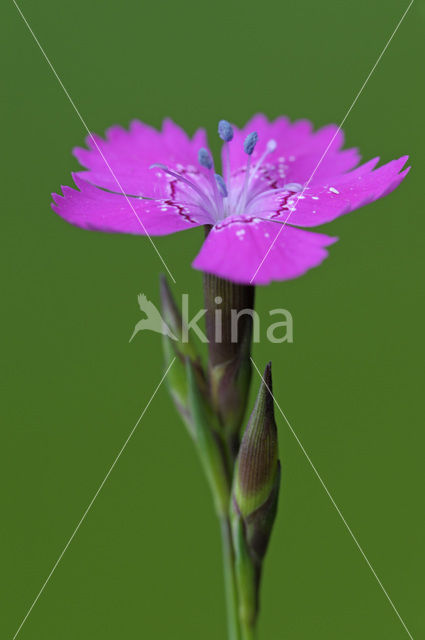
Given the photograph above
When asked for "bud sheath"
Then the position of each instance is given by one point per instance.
(257, 462)
(175, 347)
(254, 498)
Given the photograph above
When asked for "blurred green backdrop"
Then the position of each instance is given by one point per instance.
(146, 562)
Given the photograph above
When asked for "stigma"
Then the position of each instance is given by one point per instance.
(226, 194)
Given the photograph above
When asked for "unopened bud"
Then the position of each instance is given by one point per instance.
(257, 472)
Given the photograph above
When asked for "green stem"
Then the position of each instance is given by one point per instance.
(247, 632)
(246, 581)
(230, 580)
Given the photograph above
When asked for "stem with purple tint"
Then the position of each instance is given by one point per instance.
(242, 472)
(229, 375)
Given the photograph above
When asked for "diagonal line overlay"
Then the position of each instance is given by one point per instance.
(301, 193)
(93, 139)
(111, 468)
(319, 477)
(172, 362)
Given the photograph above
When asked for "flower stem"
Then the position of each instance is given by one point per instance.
(229, 323)
(248, 632)
(230, 580)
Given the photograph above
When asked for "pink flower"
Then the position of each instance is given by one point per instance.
(275, 179)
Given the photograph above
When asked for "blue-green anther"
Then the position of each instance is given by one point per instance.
(221, 185)
(225, 130)
(250, 142)
(204, 158)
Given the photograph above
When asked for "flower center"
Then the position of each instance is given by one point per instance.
(229, 194)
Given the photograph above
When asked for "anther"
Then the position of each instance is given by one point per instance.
(221, 185)
(204, 159)
(225, 130)
(178, 176)
(250, 142)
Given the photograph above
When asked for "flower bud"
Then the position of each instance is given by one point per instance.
(257, 473)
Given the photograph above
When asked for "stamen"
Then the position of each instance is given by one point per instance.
(225, 130)
(249, 146)
(221, 185)
(292, 187)
(270, 147)
(147, 198)
(250, 142)
(269, 192)
(205, 159)
(178, 176)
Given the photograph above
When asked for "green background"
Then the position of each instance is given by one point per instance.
(146, 563)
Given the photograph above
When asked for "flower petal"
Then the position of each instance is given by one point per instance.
(251, 251)
(318, 165)
(122, 161)
(97, 210)
(299, 152)
(320, 204)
